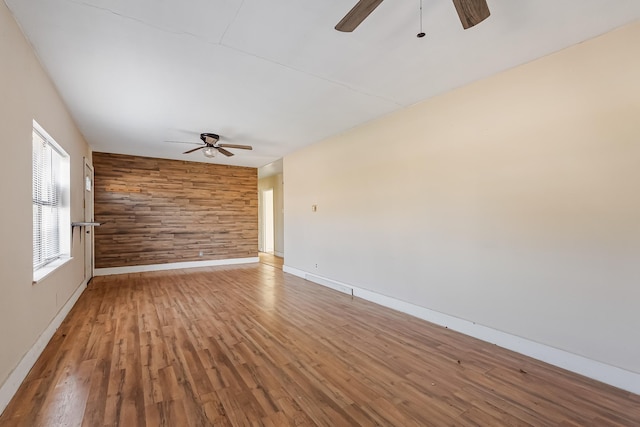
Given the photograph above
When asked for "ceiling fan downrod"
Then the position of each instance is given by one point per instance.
(421, 33)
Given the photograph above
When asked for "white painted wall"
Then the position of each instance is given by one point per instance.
(26, 93)
(276, 183)
(513, 202)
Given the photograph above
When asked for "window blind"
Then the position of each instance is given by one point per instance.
(47, 163)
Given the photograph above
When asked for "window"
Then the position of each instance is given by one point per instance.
(51, 220)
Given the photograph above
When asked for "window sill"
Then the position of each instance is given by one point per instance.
(43, 272)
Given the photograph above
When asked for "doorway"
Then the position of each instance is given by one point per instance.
(268, 235)
(88, 217)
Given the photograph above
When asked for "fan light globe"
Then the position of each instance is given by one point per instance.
(209, 152)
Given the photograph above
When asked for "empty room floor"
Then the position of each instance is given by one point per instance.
(270, 259)
(250, 346)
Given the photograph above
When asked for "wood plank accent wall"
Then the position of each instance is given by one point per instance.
(158, 211)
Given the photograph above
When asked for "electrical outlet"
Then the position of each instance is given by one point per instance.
(201, 253)
(316, 265)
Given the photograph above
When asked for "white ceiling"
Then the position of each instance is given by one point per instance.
(275, 74)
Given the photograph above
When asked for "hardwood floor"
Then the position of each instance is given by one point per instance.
(270, 259)
(250, 346)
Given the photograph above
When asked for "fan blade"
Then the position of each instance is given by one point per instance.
(360, 11)
(242, 147)
(472, 12)
(195, 149)
(225, 152)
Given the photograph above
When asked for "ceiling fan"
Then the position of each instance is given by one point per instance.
(471, 12)
(211, 146)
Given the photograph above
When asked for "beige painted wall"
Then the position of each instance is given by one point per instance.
(513, 202)
(26, 93)
(275, 182)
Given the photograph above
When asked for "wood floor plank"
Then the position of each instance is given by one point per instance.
(252, 346)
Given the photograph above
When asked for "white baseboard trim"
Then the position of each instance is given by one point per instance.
(17, 376)
(294, 271)
(173, 266)
(337, 286)
(608, 374)
(280, 254)
(329, 283)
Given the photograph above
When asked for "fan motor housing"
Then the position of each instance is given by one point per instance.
(203, 137)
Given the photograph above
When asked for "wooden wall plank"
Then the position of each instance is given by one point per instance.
(157, 211)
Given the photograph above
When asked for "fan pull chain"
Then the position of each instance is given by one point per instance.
(421, 33)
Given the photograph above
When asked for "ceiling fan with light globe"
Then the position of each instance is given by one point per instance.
(212, 147)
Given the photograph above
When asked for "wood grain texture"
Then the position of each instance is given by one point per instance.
(357, 14)
(158, 211)
(272, 260)
(253, 346)
(471, 12)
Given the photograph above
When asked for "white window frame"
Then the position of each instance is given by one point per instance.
(58, 239)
